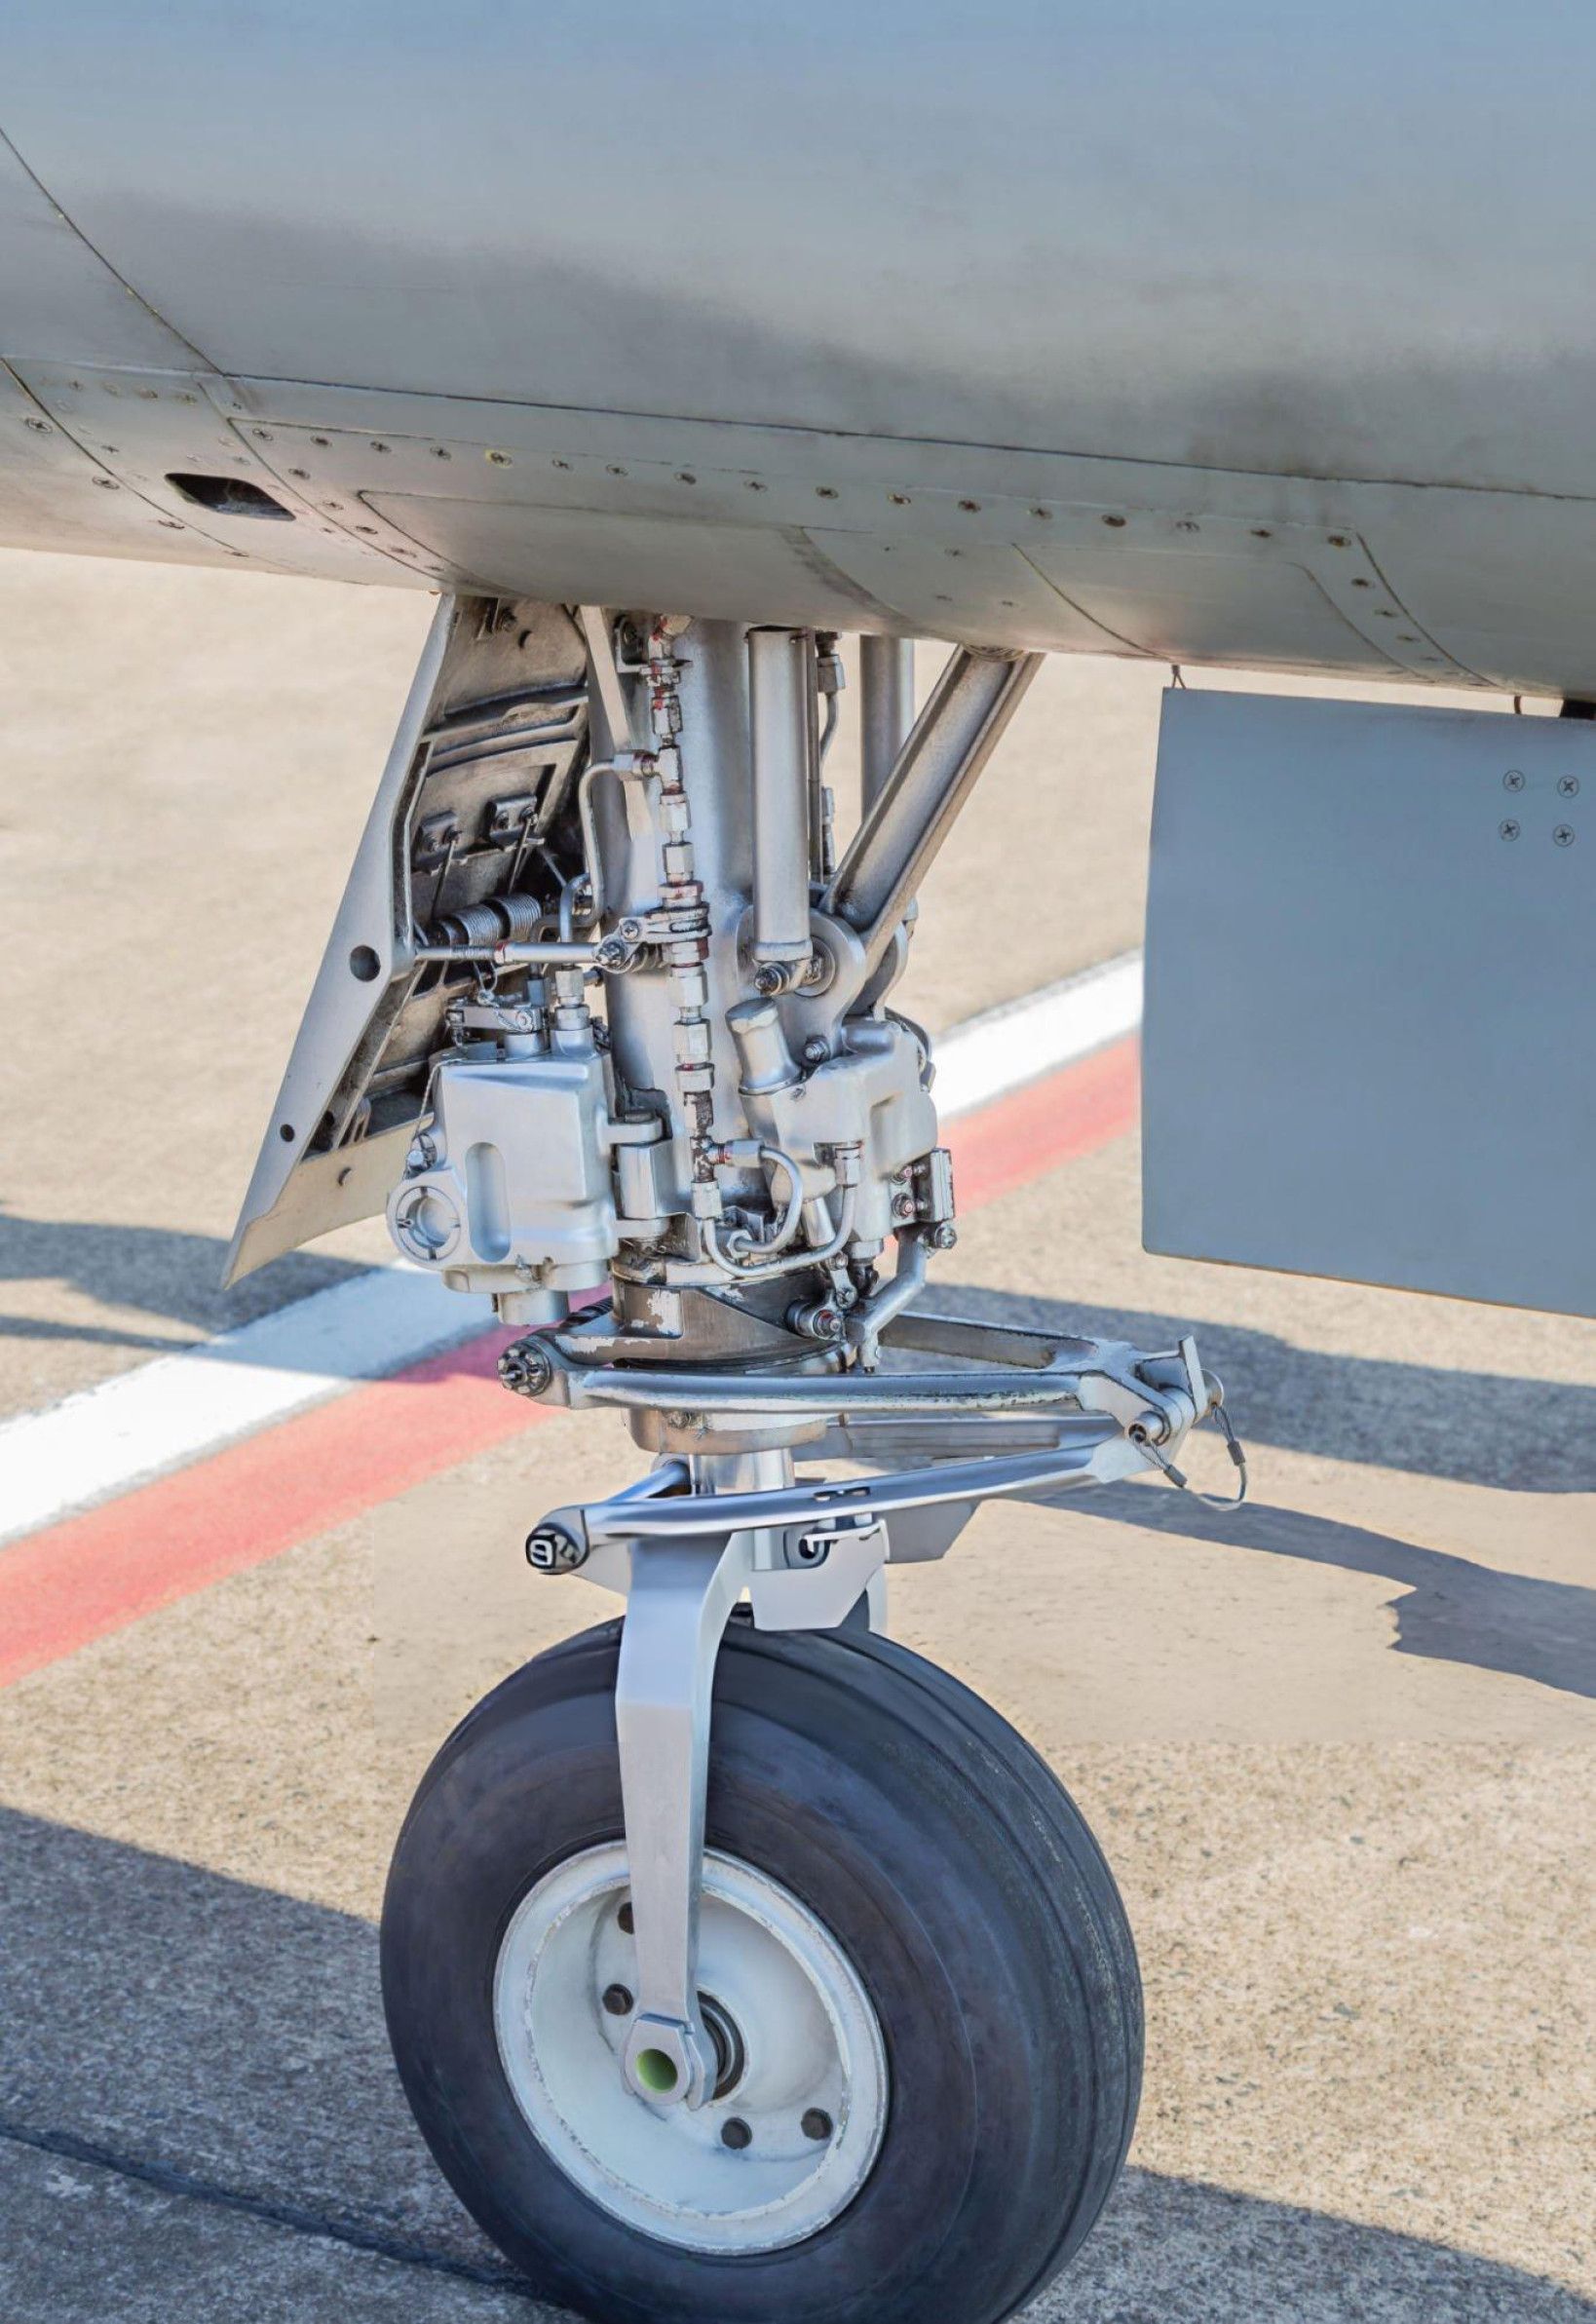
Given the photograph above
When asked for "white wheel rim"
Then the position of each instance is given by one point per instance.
(812, 2049)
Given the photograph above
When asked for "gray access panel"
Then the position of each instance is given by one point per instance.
(1370, 1042)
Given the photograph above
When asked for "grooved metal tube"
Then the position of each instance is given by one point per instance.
(885, 710)
(953, 737)
(781, 722)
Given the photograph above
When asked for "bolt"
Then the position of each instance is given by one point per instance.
(1568, 786)
(617, 2001)
(815, 1050)
(815, 2123)
(903, 1207)
(1563, 836)
(736, 2134)
(1512, 780)
(525, 1366)
(1508, 829)
(944, 1236)
(770, 981)
(625, 1922)
(551, 1549)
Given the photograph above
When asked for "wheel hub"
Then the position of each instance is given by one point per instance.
(792, 2126)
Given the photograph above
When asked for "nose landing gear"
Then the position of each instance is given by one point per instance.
(741, 1967)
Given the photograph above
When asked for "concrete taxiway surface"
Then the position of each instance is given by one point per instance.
(1341, 1747)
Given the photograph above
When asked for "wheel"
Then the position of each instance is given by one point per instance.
(913, 1962)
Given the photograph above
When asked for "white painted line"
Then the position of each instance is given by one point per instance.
(177, 1409)
(172, 1411)
(1000, 1051)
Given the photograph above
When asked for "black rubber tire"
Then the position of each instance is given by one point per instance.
(957, 1877)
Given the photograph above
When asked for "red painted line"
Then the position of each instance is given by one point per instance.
(1019, 1138)
(95, 1574)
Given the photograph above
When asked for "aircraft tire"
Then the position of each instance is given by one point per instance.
(914, 1962)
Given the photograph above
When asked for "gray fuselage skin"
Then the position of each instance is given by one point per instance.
(1221, 334)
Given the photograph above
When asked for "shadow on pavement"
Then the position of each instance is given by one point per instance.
(1455, 1611)
(1477, 1428)
(225, 2043)
(157, 1271)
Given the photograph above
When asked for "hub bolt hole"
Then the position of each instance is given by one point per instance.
(617, 2001)
(736, 2134)
(815, 2123)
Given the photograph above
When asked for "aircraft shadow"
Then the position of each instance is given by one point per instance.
(1476, 1428)
(154, 1269)
(1453, 1611)
(225, 2043)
